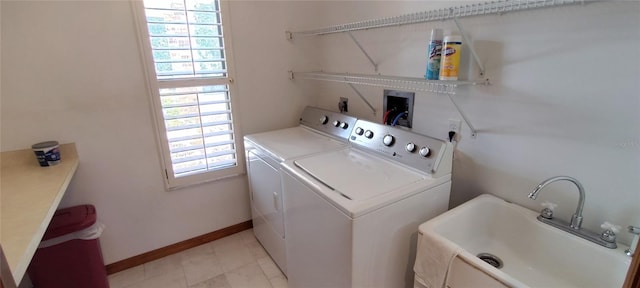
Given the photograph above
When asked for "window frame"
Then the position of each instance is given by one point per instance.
(153, 86)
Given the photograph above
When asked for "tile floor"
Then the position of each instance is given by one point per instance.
(236, 261)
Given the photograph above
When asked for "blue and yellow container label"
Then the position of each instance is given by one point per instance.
(450, 61)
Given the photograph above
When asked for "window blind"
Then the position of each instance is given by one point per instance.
(186, 38)
(187, 44)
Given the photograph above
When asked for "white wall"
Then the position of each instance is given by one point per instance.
(564, 99)
(263, 56)
(72, 72)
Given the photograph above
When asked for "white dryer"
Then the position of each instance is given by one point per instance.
(319, 131)
(352, 215)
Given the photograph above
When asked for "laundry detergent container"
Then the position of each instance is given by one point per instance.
(69, 254)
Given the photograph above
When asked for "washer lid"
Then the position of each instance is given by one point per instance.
(293, 142)
(356, 175)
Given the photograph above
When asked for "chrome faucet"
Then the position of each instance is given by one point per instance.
(606, 239)
(576, 219)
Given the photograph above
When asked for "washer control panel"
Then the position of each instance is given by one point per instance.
(332, 123)
(418, 151)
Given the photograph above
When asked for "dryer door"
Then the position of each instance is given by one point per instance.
(266, 190)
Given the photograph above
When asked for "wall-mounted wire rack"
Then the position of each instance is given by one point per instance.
(467, 10)
(418, 84)
(397, 82)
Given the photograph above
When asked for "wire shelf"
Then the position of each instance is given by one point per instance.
(397, 82)
(476, 9)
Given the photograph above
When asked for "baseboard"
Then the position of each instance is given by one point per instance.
(177, 247)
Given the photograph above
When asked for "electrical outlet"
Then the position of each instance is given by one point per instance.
(454, 125)
(343, 105)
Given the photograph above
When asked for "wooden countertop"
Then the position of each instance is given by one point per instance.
(29, 195)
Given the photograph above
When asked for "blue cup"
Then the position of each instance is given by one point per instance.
(47, 153)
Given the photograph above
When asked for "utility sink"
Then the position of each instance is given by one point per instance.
(533, 254)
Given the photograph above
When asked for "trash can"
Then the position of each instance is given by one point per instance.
(69, 254)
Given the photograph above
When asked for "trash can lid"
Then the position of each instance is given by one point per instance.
(69, 220)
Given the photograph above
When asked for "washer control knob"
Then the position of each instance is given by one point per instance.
(410, 147)
(336, 123)
(388, 140)
(368, 134)
(425, 152)
(323, 120)
(359, 131)
(344, 125)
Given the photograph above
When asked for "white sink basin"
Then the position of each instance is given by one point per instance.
(534, 254)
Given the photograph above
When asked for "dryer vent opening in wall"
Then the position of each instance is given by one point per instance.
(398, 108)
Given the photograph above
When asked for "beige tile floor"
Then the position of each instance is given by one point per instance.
(236, 261)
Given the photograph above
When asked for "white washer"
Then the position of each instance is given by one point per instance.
(319, 131)
(352, 215)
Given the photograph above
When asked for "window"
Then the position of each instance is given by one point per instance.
(188, 66)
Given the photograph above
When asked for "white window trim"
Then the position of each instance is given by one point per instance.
(153, 85)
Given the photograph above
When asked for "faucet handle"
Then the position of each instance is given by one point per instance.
(610, 230)
(635, 231)
(608, 226)
(547, 212)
